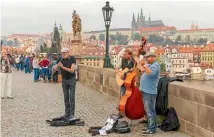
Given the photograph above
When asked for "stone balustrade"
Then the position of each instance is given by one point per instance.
(193, 101)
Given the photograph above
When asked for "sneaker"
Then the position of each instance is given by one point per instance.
(144, 129)
(70, 118)
(148, 132)
(143, 121)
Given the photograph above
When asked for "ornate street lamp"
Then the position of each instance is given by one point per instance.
(107, 14)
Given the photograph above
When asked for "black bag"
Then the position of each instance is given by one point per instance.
(171, 122)
(122, 127)
(57, 122)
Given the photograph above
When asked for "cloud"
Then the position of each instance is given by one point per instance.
(39, 17)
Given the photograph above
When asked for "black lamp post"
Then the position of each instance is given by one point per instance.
(107, 14)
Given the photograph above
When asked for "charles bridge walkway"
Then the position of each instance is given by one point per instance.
(33, 103)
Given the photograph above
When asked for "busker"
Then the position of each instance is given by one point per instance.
(67, 66)
(148, 86)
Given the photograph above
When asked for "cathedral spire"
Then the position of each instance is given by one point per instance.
(149, 17)
(133, 22)
(141, 13)
(55, 24)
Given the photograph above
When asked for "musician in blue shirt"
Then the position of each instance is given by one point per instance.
(148, 87)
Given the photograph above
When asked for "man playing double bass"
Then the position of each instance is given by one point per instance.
(127, 62)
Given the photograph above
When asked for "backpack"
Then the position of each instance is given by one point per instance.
(171, 122)
(122, 127)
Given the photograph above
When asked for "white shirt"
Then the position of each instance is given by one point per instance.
(17, 60)
(36, 63)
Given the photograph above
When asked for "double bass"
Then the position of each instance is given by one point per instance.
(131, 103)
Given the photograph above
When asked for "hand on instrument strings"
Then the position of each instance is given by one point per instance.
(60, 65)
(55, 67)
(136, 59)
(140, 67)
(116, 70)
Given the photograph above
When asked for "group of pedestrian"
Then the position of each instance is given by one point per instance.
(43, 68)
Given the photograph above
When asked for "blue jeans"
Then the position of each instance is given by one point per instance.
(27, 69)
(122, 90)
(149, 105)
(50, 72)
(17, 66)
(45, 72)
(36, 73)
(22, 66)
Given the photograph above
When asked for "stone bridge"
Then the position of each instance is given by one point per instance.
(96, 99)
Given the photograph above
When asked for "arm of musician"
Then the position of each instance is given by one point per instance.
(71, 70)
(151, 71)
(141, 68)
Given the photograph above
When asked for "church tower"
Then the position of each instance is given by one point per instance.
(61, 32)
(133, 26)
(140, 20)
(55, 40)
(134, 23)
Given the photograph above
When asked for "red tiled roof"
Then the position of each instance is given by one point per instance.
(150, 29)
(191, 30)
(209, 47)
(186, 50)
(159, 51)
(26, 35)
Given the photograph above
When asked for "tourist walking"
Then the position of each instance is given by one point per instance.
(44, 63)
(6, 75)
(36, 68)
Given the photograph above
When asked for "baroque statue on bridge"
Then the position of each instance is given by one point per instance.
(76, 25)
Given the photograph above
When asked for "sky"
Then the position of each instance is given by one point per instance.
(38, 17)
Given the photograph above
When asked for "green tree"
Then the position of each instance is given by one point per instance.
(41, 48)
(168, 42)
(178, 38)
(162, 67)
(118, 36)
(202, 41)
(153, 38)
(102, 37)
(112, 38)
(93, 37)
(187, 39)
(137, 36)
(158, 59)
(10, 42)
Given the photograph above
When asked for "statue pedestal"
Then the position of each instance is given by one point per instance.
(77, 48)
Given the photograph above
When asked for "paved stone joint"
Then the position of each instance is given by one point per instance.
(33, 103)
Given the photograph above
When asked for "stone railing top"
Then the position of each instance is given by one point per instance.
(199, 85)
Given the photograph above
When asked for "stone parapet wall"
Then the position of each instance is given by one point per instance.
(100, 79)
(194, 103)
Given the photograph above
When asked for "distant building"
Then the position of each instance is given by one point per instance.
(179, 65)
(142, 22)
(194, 34)
(207, 54)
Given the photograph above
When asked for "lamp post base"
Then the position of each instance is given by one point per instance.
(107, 62)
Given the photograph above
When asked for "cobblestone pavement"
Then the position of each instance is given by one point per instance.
(33, 103)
